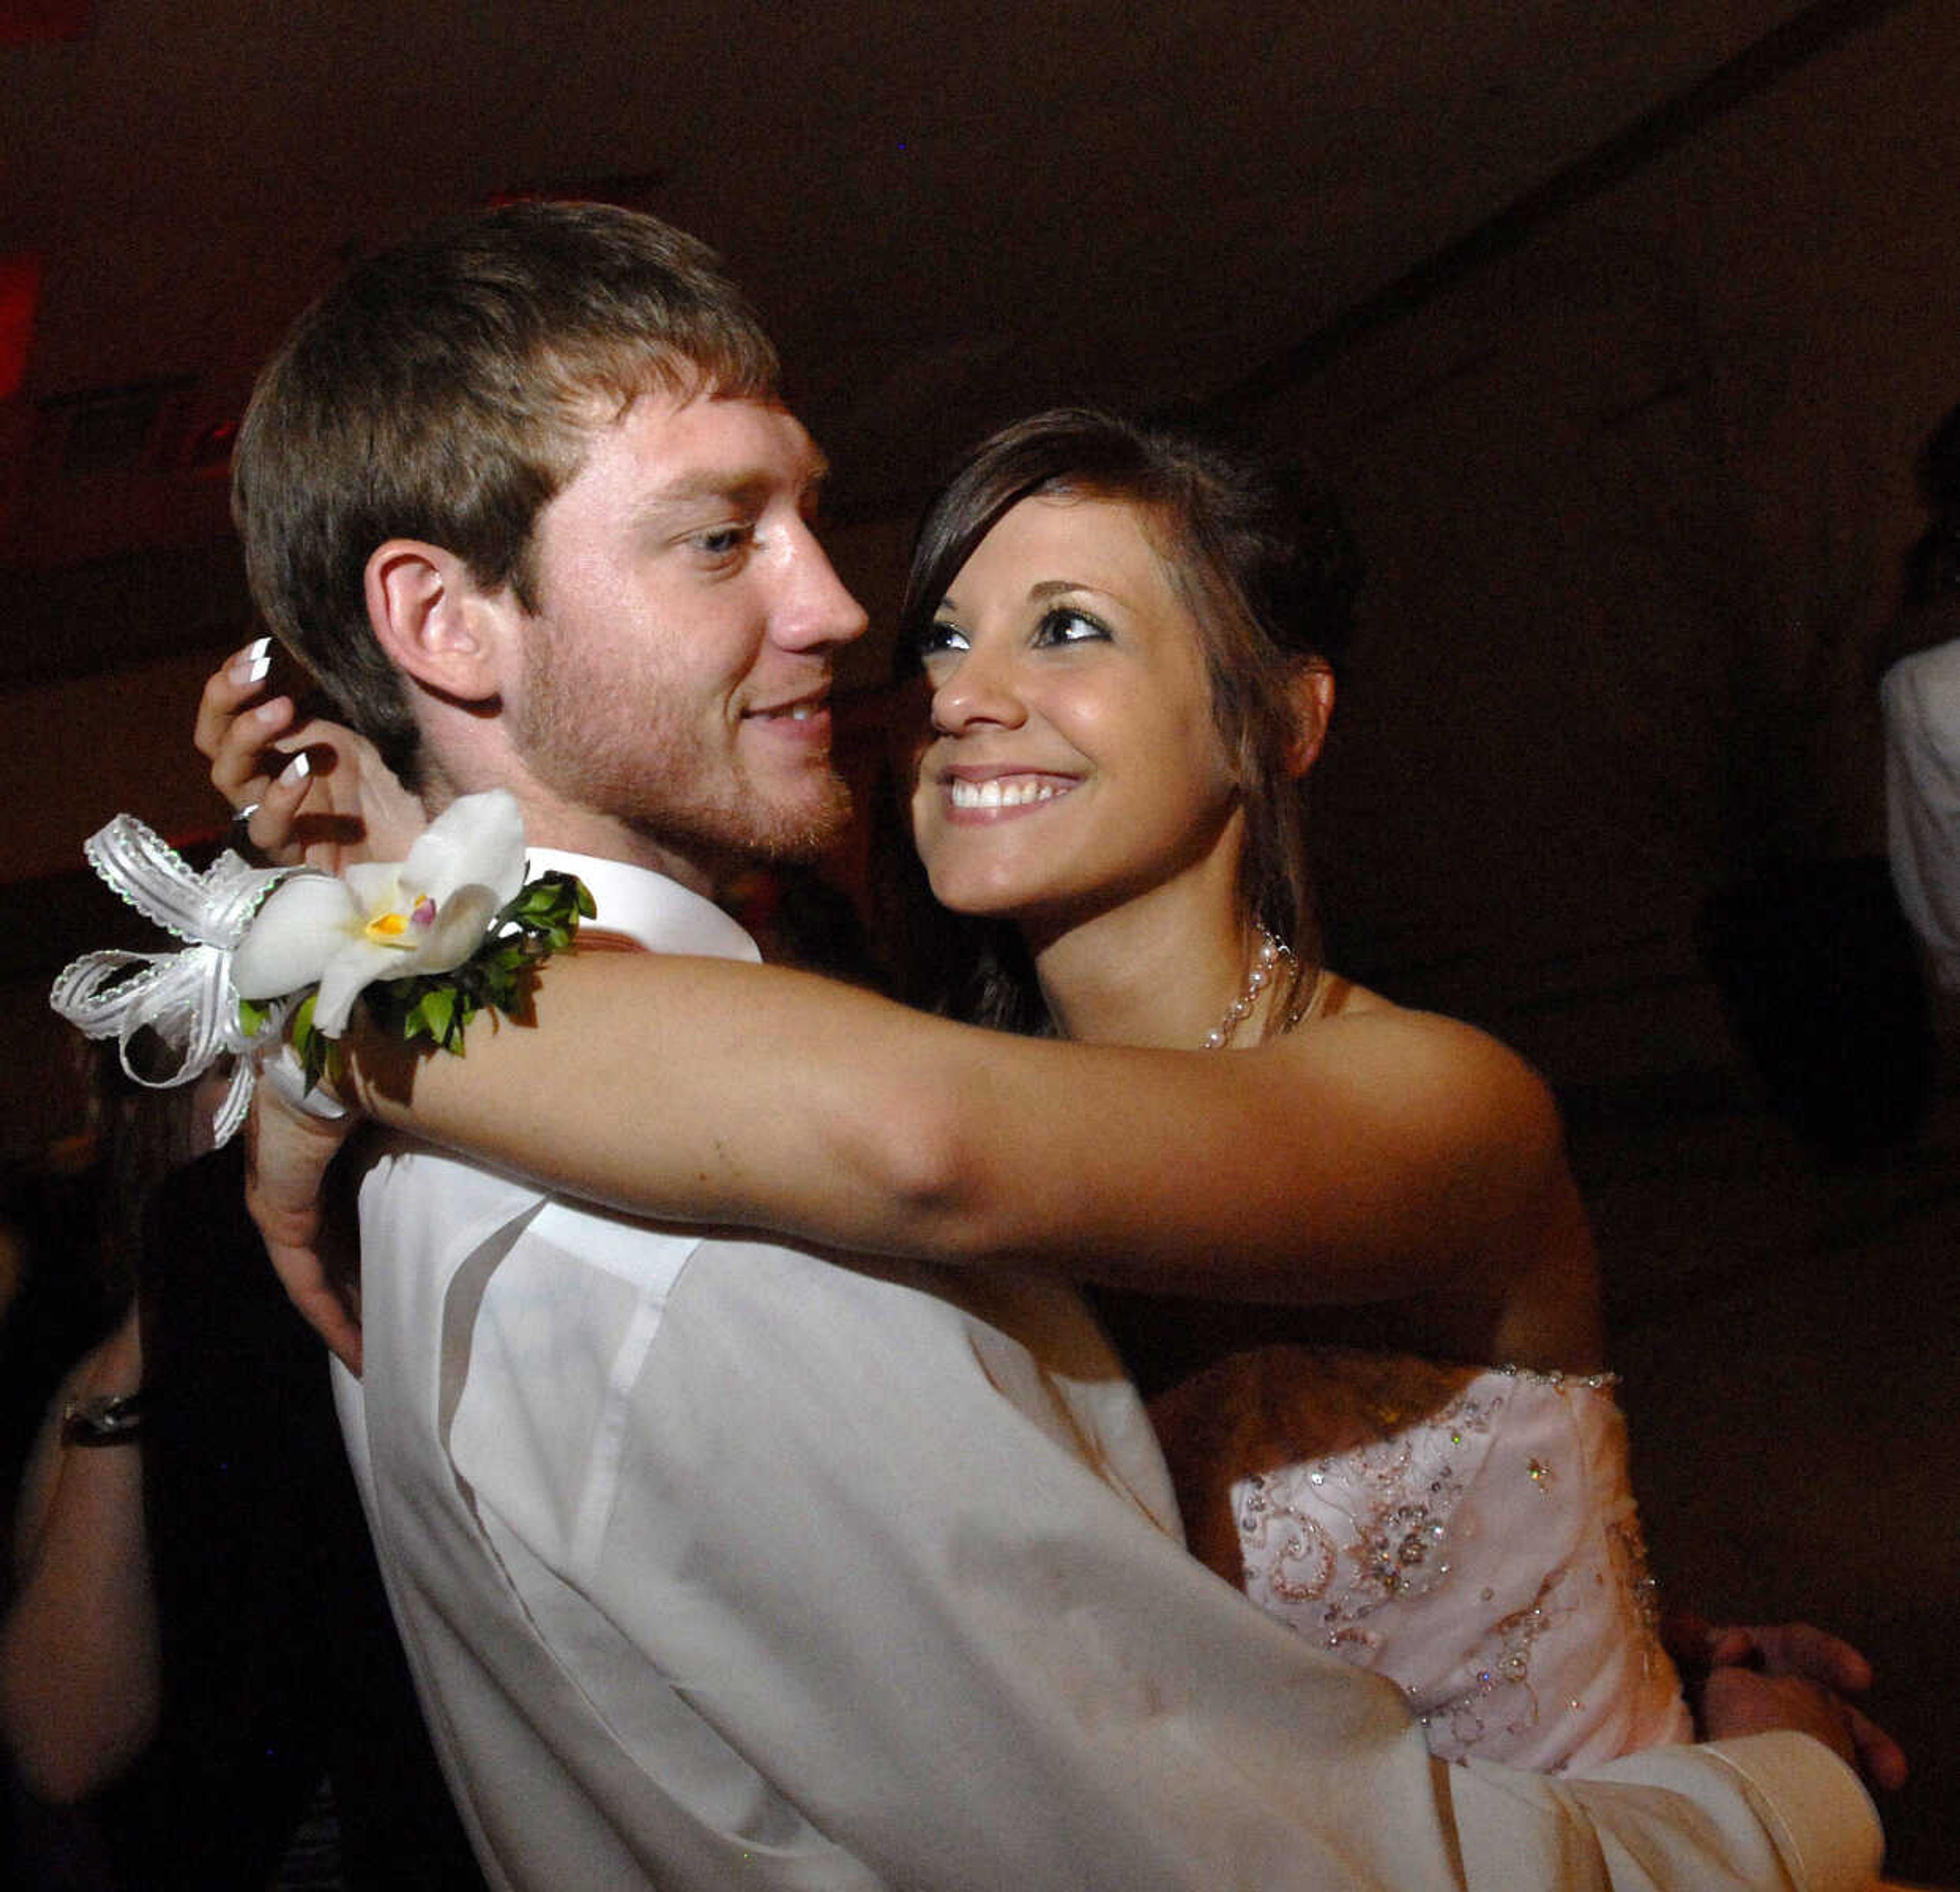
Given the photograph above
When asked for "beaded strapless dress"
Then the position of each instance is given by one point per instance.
(1469, 1532)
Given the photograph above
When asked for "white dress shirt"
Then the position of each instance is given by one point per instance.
(720, 1564)
(1921, 697)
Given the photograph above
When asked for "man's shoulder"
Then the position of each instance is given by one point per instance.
(649, 909)
(427, 1213)
(407, 1183)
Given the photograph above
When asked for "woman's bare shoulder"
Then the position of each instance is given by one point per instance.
(1339, 1001)
(1423, 1055)
(1464, 1096)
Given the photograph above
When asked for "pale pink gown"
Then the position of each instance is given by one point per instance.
(1469, 1532)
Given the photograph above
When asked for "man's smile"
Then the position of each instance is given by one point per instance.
(806, 718)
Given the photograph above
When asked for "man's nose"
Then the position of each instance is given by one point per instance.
(819, 613)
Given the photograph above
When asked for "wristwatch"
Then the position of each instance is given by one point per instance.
(105, 1419)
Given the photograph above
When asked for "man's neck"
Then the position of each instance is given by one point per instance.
(607, 839)
(578, 831)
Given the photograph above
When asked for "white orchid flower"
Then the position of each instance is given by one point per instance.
(387, 919)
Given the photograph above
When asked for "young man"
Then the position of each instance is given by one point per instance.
(721, 1563)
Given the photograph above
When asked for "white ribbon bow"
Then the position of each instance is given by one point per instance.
(184, 998)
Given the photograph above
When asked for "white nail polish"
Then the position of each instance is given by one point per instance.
(295, 771)
(251, 664)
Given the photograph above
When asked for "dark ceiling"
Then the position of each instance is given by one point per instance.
(948, 213)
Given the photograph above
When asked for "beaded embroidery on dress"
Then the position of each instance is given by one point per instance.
(1469, 1532)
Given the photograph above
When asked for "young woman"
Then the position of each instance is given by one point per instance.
(1125, 640)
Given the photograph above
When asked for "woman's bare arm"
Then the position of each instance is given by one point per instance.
(1379, 1153)
(1367, 1156)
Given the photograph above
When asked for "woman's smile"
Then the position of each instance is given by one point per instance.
(1004, 793)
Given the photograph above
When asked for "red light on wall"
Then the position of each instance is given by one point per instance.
(210, 451)
(19, 291)
(33, 22)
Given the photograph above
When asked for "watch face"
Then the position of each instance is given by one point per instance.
(107, 1419)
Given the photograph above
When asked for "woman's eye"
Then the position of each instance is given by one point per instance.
(1069, 627)
(935, 640)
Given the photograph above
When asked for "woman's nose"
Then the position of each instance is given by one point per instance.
(979, 690)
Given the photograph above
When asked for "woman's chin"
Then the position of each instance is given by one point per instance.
(980, 896)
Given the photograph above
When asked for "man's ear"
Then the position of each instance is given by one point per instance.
(1310, 688)
(435, 622)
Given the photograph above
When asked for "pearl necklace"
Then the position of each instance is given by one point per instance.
(1264, 961)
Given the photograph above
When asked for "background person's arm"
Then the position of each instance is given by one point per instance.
(79, 1684)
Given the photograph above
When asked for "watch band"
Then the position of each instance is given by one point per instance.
(285, 1073)
(106, 1418)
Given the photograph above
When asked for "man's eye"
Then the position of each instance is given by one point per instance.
(722, 542)
(1069, 627)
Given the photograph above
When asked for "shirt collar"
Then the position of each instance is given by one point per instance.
(647, 908)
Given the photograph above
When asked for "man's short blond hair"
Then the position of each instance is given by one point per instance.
(442, 391)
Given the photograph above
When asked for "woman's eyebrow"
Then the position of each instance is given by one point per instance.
(1039, 592)
(1049, 588)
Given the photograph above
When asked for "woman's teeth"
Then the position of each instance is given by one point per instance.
(1000, 793)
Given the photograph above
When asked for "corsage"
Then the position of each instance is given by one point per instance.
(431, 940)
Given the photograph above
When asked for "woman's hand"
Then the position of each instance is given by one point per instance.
(1803, 1664)
(1801, 1650)
(314, 791)
(288, 1151)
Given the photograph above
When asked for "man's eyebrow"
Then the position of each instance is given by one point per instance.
(734, 486)
(690, 488)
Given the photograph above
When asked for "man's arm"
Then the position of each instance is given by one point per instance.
(975, 1662)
